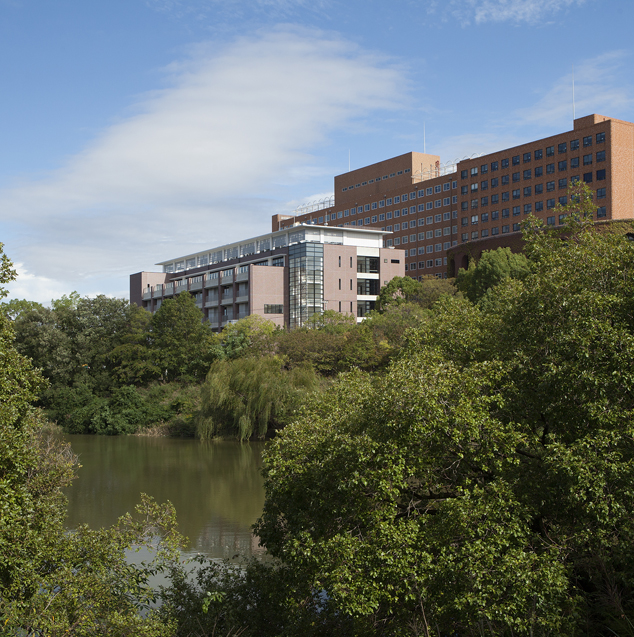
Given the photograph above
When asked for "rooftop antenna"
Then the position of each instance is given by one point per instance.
(573, 95)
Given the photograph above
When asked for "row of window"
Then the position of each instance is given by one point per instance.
(527, 191)
(430, 263)
(528, 174)
(430, 205)
(600, 214)
(371, 181)
(536, 155)
(430, 234)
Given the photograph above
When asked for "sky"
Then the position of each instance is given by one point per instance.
(136, 131)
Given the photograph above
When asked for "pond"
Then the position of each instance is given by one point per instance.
(216, 487)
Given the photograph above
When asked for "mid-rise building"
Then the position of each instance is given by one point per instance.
(285, 276)
(441, 215)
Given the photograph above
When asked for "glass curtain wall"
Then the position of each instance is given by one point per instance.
(306, 271)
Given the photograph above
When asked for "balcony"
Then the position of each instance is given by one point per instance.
(147, 294)
(212, 283)
(197, 285)
(243, 274)
(169, 289)
(242, 299)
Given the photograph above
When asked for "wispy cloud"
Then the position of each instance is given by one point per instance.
(598, 89)
(514, 11)
(203, 161)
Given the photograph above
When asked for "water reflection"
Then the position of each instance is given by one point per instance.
(215, 487)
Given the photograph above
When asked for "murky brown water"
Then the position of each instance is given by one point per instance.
(215, 487)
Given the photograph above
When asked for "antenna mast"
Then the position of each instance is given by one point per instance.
(573, 95)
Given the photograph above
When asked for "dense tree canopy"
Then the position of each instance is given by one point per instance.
(484, 484)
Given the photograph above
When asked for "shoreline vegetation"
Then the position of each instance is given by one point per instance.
(464, 467)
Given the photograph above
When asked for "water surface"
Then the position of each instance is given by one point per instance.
(215, 487)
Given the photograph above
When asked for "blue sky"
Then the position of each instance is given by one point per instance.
(139, 130)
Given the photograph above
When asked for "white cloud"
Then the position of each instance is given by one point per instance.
(598, 89)
(202, 162)
(517, 11)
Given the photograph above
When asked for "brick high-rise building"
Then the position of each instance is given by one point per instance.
(432, 208)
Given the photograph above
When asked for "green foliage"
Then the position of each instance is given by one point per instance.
(53, 582)
(408, 290)
(183, 345)
(247, 397)
(493, 267)
(16, 307)
(483, 484)
(251, 335)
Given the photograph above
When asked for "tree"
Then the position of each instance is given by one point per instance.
(408, 290)
(51, 581)
(484, 483)
(249, 396)
(251, 335)
(493, 267)
(183, 345)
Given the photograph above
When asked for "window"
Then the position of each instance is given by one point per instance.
(505, 196)
(484, 233)
(539, 154)
(587, 141)
(388, 201)
(437, 203)
(539, 189)
(474, 187)
(550, 151)
(528, 208)
(474, 171)
(563, 200)
(464, 236)
(474, 220)
(516, 211)
(438, 247)
(561, 218)
(388, 215)
(562, 148)
(474, 234)
(601, 193)
(404, 197)
(539, 206)
(527, 174)
(574, 162)
(516, 194)
(600, 156)
(601, 175)
(495, 231)
(550, 221)
(516, 160)
(437, 188)
(527, 191)
(463, 174)
(484, 217)
(550, 203)
(484, 201)
(516, 176)
(601, 212)
(374, 205)
(539, 171)
(505, 180)
(600, 138)
(505, 229)
(464, 221)
(382, 203)
(516, 227)
(563, 184)
(526, 157)
(574, 144)
(484, 185)
(397, 199)
(474, 204)
(464, 190)
(505, 212)
(494, 166)
(587, 160)
(587, 177)
(446, 216)
(382, 217)
(562, 165)
(366, 208)
(438, 232)
(397, 213)
(494, 182)
(373, 218)
(421, 221)
(504, 163)
(397, 227)
(421, 207)
(495, 199)
(495, 215)
(273, 309)
(430, 220)
(550, 168)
